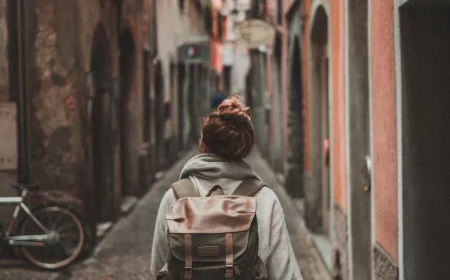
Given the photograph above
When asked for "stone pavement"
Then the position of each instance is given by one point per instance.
(124, 254)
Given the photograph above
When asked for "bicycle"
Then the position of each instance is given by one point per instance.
(50, 237)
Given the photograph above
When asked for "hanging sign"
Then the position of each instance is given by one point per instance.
(254, 33)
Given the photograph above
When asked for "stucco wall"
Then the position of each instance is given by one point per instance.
(384, 126)
(338, 91)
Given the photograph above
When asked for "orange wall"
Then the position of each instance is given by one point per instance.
(338, 53)
(337, 83)
(384, 126)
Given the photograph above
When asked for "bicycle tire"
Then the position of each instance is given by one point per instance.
(77, 250)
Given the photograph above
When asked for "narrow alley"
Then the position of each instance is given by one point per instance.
(101, 102)
(124, 253)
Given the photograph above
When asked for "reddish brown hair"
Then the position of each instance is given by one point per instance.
(228, 131)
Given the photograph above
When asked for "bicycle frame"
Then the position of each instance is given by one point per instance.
(24, 240)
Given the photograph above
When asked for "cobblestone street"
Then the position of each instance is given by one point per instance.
(125, 251)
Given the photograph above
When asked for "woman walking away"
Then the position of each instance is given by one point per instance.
(220, 221)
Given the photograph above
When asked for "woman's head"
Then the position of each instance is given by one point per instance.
(228, 131)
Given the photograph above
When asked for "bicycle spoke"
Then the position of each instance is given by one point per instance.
(69, 236)
(68, 247)
(65, 227)
(60, 249)
(55, 223)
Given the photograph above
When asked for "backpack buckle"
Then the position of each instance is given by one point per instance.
(188, 273)
(229, 273)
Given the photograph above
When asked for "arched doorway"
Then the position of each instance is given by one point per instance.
(128, 119)
(101, 129)
(277, 155)
(294, 182)
(318, 203)
(359, 206)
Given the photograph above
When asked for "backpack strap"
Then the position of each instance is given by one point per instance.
(249, 187)
(184, 188)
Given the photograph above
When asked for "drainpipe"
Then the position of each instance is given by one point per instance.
(22, 102)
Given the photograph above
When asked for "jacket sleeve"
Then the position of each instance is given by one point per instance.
(281, 262)
(160, 247)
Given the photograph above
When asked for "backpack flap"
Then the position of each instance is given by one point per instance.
(208, 224)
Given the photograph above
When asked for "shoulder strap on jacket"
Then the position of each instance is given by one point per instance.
(184, 188)
(249, 187)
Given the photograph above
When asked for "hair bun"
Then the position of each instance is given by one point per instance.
(234, 113)
(228, 131)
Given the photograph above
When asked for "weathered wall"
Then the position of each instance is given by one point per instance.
(131, 115)
(4, 73)
(384, 126)
(384, 267)
(341, 256)
(58, 47)
(54, 84)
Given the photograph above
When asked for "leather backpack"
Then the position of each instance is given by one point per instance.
(213, 237)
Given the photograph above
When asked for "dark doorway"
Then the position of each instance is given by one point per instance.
(128, 118)
(159, 117)
(359, 141)
(227, 78)
(102, 132)
(294, 182)
(277, 155)
(147, 99)
(146, 167)
(425, 118)
(191, 94)
(318, 202)
(249, 88)
(181, 106)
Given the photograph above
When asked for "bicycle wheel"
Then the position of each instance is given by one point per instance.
(68, 241)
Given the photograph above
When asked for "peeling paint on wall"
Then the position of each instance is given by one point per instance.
(56, 147)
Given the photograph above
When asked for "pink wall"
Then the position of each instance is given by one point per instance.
(338, 84)
(384, 126)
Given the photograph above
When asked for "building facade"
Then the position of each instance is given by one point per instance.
(366, 82)
(86, 99)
